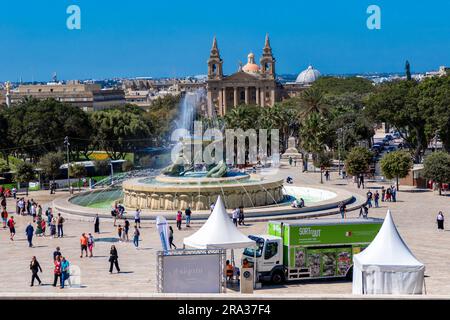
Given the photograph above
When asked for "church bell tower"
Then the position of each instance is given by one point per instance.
(267, 61)
(215, 63)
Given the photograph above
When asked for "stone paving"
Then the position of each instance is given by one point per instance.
(414, 215)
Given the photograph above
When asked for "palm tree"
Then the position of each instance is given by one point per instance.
(312, 135)
(312, 101)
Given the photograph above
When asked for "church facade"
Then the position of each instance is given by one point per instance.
(252, 84)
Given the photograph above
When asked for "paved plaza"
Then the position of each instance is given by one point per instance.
(414, 214)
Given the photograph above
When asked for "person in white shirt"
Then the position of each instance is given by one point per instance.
(235, 216)
(137, 218)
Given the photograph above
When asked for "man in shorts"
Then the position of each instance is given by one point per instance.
(83, 244)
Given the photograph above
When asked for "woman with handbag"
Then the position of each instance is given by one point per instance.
(35, 267)
(113, 259)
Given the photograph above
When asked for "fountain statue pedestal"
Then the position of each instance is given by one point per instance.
(291, 151)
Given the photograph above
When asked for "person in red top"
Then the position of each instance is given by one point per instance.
(57, 270)
(83, 243)
(179, 219)
(4, 218)
(12, 228)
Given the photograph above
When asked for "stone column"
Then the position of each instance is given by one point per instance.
(235, 96)
(258, 95)
(263, 97)
(224, 101)
(272, 97)
(210, 104)
(220, 101)
(246, 95)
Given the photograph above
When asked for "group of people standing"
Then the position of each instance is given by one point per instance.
(238, 216)
(179, 217)
(389, 194)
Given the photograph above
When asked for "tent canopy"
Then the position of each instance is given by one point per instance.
(388, 251)
(218, 232)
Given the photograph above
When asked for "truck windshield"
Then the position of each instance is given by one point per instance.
(251, 251)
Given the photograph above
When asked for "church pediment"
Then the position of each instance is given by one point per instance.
(241, 76)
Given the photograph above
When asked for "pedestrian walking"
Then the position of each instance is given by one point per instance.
(114, 215)
(53, 228)
(97, 224)
(241, 216)
(35, 267)
(57, 270)
(179, 219)
(119, 232)
(91, 242)
(136, 235)
(29, 231)
(364, 211)
(440, 220)
(60, 222)
(56, 253)
(342, 209)
(327, 175)
(188, 213)
(65, 275)
(12, 228)
(113, 259)
(383, 194)
(235, 216)
(137, 218)
(83, 244)
(14, 192)
(171, 238)
(4, 218)
(369, 198)
(126, 229)
(394, 193)
(376, 198)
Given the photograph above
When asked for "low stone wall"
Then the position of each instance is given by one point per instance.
(199, 197)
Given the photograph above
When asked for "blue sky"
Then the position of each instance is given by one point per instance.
(173, 38)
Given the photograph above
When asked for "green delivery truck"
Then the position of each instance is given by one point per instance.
(310, 248)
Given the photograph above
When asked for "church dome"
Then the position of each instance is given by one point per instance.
(251, 66)
(308, 76)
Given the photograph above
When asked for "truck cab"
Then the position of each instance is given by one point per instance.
(269, 258)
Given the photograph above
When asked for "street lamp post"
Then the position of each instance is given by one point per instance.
(112, 171)
(67, 144)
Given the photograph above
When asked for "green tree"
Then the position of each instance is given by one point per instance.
(396, 165)
(118, 132)
(437, 168)
(408, 70)
(5, 143)
(24, 174)
(339, 85)
(312, 135)
(358, 160)
(36, 127)
(4, 167)
(50, 164)
(312, 101)
(78, 171)
(397, 103)
(434, 100)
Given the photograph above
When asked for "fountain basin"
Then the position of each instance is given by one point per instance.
(178, 193)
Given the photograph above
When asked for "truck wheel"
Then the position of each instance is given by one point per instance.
(277, 277)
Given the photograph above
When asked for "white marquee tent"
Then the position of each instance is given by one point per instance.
(218, 232)
(387, 266)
